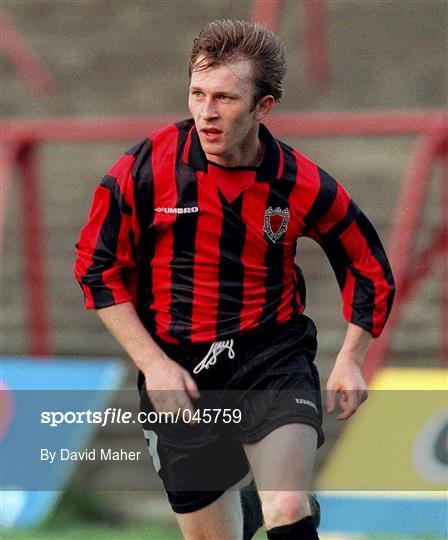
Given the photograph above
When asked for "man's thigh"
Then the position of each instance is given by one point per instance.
(282, 464)
(220, 520)
(284, 459)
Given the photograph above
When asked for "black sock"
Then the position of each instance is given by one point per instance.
(300, 530)
(252, 515)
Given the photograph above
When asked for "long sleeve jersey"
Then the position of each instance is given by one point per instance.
(206, 252)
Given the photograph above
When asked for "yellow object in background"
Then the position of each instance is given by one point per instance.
(398, 439)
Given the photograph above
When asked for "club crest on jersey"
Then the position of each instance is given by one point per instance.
(275, 222)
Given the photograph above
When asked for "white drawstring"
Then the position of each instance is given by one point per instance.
(210, 358)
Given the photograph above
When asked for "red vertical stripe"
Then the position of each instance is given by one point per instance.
(253, 255)
(286, 305)
(120, 171)
(124, 256)
(89, 238)
(165, 196)
(206, 262)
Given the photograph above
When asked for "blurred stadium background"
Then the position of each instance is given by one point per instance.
(351, 64)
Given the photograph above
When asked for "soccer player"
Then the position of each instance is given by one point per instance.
(188, 258)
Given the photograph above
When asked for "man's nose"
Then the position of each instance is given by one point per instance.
(209, 110)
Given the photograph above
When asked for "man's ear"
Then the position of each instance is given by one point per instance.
(263, 107)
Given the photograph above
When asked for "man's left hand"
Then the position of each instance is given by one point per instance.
(347, 383)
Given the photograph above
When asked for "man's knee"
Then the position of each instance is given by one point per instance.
(283, 507)
(221, 520)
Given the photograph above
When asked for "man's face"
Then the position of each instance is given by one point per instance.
(221, 103)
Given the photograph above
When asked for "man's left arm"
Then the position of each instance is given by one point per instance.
(366, 282)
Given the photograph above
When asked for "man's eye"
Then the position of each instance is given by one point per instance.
(196, 93)
(223, 98)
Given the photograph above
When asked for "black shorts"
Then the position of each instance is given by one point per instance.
(252, 385)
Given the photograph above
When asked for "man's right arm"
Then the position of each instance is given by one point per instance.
(104, 264)
(168, 384)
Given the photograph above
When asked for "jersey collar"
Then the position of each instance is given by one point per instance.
(271, 168)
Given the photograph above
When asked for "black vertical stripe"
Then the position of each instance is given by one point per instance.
(104, 256)
(231, 269)
(144, 251)
(327, 194)
(363, 303)
(364, 299)
(351, 215)
(110, 183)
(375, 246)
(137, 149)
(338, 258)
(279, 193)
(299, 281)
(184, 236)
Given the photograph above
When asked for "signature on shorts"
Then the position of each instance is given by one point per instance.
(216, 349)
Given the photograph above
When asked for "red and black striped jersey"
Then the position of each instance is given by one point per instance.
(206, 252)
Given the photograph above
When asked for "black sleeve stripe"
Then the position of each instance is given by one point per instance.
(375, 246)
(378, 252)
(338, 258)
(142, 163)
(350, 216)
(363, 302)
(110, 183)
(104, 256)
(325, 198)
(137, 148)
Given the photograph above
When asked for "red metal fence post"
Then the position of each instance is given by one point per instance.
(402, 240)
(34, 243)
(8, 154)
(266, 12)
(316, 42)
(444, 218)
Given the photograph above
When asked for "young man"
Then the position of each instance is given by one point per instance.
(188, 256)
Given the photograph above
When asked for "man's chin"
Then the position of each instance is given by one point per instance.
(213, 150)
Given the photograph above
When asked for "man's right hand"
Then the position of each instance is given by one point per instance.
(169, 386)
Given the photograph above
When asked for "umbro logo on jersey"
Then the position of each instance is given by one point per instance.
(188, 210)
(301, 401)
(275, 222)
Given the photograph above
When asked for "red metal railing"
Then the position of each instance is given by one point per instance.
(315, 40)
(25, 60)
(409, 267)
(21, 140)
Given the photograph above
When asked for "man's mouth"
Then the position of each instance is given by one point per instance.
(211, 134)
